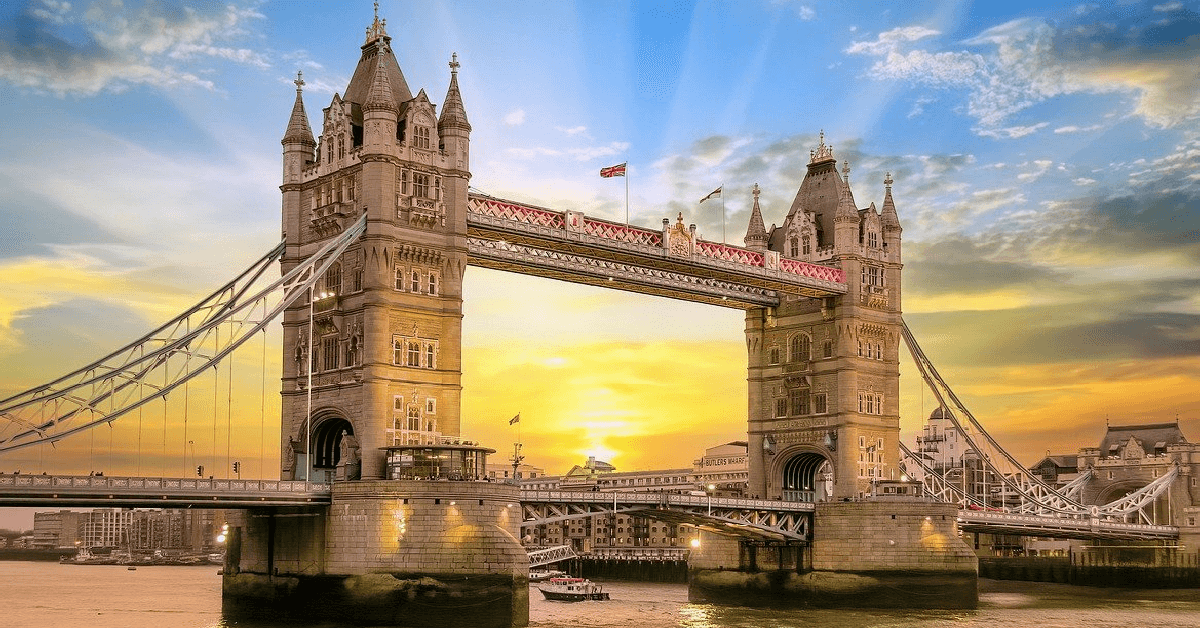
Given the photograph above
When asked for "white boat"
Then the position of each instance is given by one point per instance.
(572, 590)
(538, 575)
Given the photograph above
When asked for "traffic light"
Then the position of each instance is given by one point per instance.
(199, 470)
(237, 466)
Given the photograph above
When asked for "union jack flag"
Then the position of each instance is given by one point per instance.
(613, 171)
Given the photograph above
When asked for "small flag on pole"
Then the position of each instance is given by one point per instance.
(516, 419)
(716, 192)
(613, 171)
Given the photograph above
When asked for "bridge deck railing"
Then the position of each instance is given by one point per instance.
(120, 484)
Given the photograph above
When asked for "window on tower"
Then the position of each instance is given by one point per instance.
(421, 136)
(794, 247)
(414, 283)
(421, 185)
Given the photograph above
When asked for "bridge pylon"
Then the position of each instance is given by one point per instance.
(824, 373)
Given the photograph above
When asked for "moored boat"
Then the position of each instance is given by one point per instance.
(539, 575)
(572, 590)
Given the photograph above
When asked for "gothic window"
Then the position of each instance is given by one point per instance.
(878, 352)
(400, 278)
(333, 279)
(414, 418)
(430, 356)
(414, 353)
(807, 246)
(350, 188)
(421, 136)
(421, 185)
(337, 190)
(781, 407)
(794, 247)
(357, 279)
(431, 406)
(872, 239)
(329, 152)
(801, 348)
(773, 355)
(341, 146)
(404, 182)
(820, 404)
(799, 402)
(433, 281)
(329, 352)
(827, 348)
(414, 283)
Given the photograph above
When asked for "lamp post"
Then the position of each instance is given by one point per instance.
(709, 489)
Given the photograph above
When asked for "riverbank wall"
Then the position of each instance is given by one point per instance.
(1103, 567)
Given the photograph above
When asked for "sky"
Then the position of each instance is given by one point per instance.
(1045, 158)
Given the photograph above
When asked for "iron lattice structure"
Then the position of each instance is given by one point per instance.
(1031, 495)
(164, 359)
(753, 519)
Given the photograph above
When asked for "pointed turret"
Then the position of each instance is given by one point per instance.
(380, 112)
(298, 131)
(454, 115)
(756, 233)
(379, 98)
(376, 53)
(846, 223)
(890, 221)
(453, 128)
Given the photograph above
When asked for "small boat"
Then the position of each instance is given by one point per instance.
(572, 590)
(131, 568)
(539, 575)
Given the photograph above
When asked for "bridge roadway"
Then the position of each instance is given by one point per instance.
(748, 518)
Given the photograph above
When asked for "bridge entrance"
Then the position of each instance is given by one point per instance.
(334, 448)
(807, 477)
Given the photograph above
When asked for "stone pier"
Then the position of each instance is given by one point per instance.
(878, 553)
(386, 552)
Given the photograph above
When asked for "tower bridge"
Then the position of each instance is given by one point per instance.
(379, 227)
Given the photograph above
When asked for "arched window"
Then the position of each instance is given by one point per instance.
(794, 247)
(414, 418)
(773, 355)
(333, 280)
(801, 348)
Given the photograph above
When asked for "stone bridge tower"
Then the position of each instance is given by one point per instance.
(384, 343)
(824, 376)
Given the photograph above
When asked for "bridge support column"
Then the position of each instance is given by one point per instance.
(864, 554)
(386, 553)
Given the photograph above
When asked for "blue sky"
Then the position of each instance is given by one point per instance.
(1044, 154)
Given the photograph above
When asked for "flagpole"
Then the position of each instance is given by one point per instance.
(722, 213)
(627, 193)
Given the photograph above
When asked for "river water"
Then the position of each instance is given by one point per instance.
(49, 595)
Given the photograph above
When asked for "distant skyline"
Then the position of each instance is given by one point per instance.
(1046, 159)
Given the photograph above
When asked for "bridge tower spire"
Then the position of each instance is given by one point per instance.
(823, 414)
(756, 232)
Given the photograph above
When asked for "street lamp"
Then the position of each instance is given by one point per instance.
(710, 489)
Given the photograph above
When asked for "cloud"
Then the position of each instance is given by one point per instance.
(1083, 181)
(110, 47)
(516, 117)
(1040, 167)
(1012, 132)
(1028, 61)
(1070, 128)
(583, 153)
(575, 130)
(1168, 7)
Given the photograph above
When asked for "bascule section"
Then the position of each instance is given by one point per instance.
(824, 376)
(373, 353)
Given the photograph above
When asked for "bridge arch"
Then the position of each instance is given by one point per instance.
(805, 474)
(327, 429)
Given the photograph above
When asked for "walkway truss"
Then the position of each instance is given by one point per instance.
(752, 519)
(1021, 502)
(166, 358)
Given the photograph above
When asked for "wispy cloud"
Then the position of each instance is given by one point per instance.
(110, 46)
(1028, 61)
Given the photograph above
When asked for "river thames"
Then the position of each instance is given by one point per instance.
(49, 595)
